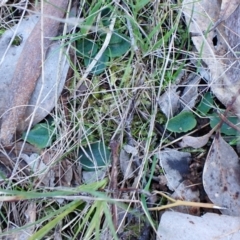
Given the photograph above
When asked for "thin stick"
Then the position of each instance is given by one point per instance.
(114, 145)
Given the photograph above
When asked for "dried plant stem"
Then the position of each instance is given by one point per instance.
(177, 203)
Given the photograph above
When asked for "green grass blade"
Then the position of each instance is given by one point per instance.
(108, 216)
(95, 222)
(44, 230)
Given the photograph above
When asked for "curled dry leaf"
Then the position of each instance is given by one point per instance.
(221, 176)
(38, 167)
(218, 48)
(190, 92)
(91, 177)
(28, 69)
(169, 101)
(126, 162)
(35, 162)
(195, 142)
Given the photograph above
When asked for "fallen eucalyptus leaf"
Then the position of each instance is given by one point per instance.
(20, 87)
(130, 149)
(91, 177)
(169, 101)
(40, 169)
(49, 87)
(227, 9)
(35, 162)
(66, 174)
(221, 176)
(195, 142)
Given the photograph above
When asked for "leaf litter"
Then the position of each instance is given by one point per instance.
(221, 158)
(208, 20)
(220, 177)
(221, 58)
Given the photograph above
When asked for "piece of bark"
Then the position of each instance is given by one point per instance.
(28, 68)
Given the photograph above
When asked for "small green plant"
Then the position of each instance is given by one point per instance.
(186, 121)
(94, 156)
(183, 122)
(41, 135)
(17, 41)
(2, 31)
(88, 49)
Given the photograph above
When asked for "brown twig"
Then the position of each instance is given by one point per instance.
(114, 145)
